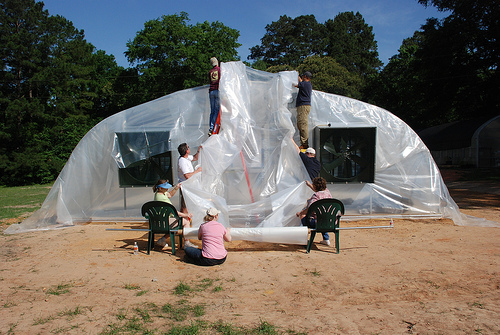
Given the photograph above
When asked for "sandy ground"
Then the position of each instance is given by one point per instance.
(421, 277)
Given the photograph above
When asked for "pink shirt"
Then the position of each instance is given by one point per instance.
(212, 235)
(325, 194)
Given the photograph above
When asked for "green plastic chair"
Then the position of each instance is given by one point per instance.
(159, 213)
(327, 219)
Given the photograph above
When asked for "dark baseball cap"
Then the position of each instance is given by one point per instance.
(308, 74)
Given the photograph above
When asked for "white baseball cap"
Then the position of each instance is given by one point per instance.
(310, 151)
(212, 211)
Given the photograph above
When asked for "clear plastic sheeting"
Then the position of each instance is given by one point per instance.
(251, 169)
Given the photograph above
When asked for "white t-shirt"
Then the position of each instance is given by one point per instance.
(184, 166)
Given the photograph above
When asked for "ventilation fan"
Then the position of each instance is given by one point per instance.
(147, 172)
(347, 154)
(143, 157)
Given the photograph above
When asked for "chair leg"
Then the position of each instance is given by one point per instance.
(172, 241)
(337, 239)
(151, 238)
(311, 240)
(181, 237)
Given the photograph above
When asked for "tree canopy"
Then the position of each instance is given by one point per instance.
(53, 89)
(171, 54)
(448, 71)
(289, 41)
(344, 48)
(351, 42)
(347, 39)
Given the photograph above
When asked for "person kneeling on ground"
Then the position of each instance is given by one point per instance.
(212, 235)
(320, 192)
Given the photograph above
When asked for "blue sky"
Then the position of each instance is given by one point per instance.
(109, 24)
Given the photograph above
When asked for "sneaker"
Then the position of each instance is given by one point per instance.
(210, 133)
(325, 242)
(162, 242)
(189, 244)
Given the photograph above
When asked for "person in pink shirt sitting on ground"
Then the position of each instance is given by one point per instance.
(212, 235)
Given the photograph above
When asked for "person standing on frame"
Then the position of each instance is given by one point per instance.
(213, 93)
(303, 105)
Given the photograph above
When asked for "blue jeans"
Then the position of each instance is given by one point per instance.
(214, 107)
(193, 255)
(312, 224)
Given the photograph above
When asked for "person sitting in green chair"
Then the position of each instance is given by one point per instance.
(320, 192)
(163, 192)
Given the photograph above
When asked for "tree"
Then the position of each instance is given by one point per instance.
(258, 65)
(331, 77)
(448, 71)
(171, 55)
(347, 40)
(351, 42)
(461, 56)
(289, 41)
(399, 87)
(25, 47)
(49, 89)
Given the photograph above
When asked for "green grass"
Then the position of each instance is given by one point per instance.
(316, 273)
(42, 321)
(182, 289)
(11, 328)
(184, 317)
(142, 292)
(476, 304)
(59, 289)
(131, 287)
(71, 313)
(183, 310)
(21, 201)
(9, 304)
(185, 289)
(140, 323)
(143, 313)
(180, 317)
